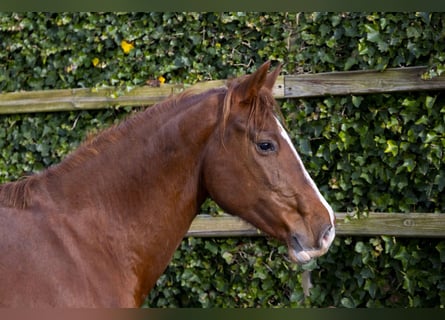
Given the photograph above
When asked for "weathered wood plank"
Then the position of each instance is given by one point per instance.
(88, 99)
(221, 226)
(289, 86)
(392, 224)
(360, 82)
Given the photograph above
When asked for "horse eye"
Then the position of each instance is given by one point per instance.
(266, 146)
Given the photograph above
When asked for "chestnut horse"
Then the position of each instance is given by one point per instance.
(99, 228)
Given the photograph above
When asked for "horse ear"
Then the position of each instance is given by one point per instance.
(251, 85)
(272, 77)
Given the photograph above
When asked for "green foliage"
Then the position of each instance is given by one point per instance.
(44, 51)
(378, 152)
(241, 273)
(360, 272)
(32, 142)
(382, 272)
(349, 41)
(367, 153)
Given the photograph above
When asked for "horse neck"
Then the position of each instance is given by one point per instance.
(141, 183)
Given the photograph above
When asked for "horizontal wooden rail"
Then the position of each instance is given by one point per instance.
(360, 82)
(288, 86)
(89, 99)
(391, 224)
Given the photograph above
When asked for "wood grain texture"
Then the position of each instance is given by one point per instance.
(360, 82)
(89, 99)
(391, 224)
(288, 86)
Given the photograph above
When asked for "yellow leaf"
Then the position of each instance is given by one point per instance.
(161, 79)
(392, 147)
(95, 61)
(126, 46)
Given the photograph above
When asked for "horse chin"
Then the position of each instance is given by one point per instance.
(299, 257)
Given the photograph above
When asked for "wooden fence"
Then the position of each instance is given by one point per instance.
(288, 86)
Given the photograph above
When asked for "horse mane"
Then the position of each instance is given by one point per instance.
(96, 143)
(17, 194)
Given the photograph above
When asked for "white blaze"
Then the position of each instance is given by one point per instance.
(306, 174)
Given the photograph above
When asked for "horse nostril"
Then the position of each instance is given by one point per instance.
(326, 235)
(327, 232)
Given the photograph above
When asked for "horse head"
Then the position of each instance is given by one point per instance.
(252, 170)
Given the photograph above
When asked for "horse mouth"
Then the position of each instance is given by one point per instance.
(301, 255)
(296, 252)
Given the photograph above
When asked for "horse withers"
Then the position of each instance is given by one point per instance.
(99, 228)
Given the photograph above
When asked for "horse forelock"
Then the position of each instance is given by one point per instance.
(262, 108)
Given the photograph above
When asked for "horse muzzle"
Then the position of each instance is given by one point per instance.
(301, 253)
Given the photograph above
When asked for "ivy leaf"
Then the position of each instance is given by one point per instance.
(357, 100)
(347, 302)
(392, 147)
(441, 248)
(372, 33)
(228, 257)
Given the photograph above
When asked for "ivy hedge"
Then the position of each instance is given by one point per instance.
(377, 152)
